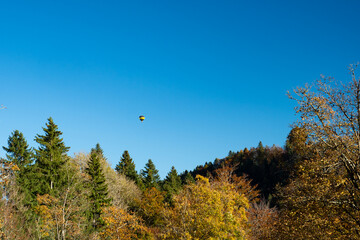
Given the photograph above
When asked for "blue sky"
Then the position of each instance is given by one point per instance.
(209, 76)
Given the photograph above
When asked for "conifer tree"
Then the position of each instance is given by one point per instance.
(172, 183)
(50, 160)
(18, 151)
(98, 191)
(19, 154)
(187, 178)
(150, 175)
(126, 166)
(98, 150)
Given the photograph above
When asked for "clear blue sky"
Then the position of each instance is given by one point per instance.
(210, 76)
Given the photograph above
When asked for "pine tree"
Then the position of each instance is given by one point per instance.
(51, 159)
(19, 154)
(98, 150)
(172, 183)
(99, 191)
(18, 151)
(150, 175)
(187, 178)
(126, 166)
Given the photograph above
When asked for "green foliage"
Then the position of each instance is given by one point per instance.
(126, 166)
(266, 166)
(187, 178)
(18, 151)
(98, 150)
(20, 155)
(22, 181)
(172, 183)
(150, 175)
(98, 191)
(50, 161)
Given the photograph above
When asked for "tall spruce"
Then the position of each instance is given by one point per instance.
(51, 159)
(126, 166)
(150, 175)
(18, 151)
(98, 190)
(98, 150)
(172, 183)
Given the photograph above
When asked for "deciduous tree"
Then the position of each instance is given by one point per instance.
(327, 187)
(119, 224)
(206, 210)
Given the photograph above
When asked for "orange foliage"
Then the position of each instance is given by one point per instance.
(263, 220)
(241, 183)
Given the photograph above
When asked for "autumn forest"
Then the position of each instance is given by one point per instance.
(307, 189)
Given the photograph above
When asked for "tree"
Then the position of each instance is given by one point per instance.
(98, 150)
(12, 221)
(297, 149)
(17, 183)
(172, 183)
(151, 207)
(122, 190)
(20, 156)
(187, 178)
(122, 225)
(330, 115)
(99, 191)
(126, 166)
(150, 175)
(50, 160)
(63, 217)
(263, 220)
(207, 210)
(18, 151)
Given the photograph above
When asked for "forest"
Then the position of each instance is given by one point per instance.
(307, 189)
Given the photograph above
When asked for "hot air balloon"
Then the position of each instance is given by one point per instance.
(142, 118)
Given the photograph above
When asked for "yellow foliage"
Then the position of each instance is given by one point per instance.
(57, 218)
(151, 207)
(119, 224)
(207, 210)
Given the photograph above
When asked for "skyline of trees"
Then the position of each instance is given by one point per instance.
(55, 196)
(308, 189)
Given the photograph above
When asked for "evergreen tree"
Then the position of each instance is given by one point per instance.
(126, 166)
(18, 151)
(187, 178)
(51, 159)
(172, 183)
(98, 150)
(99, 191)
(19, 154)
(150, 175)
